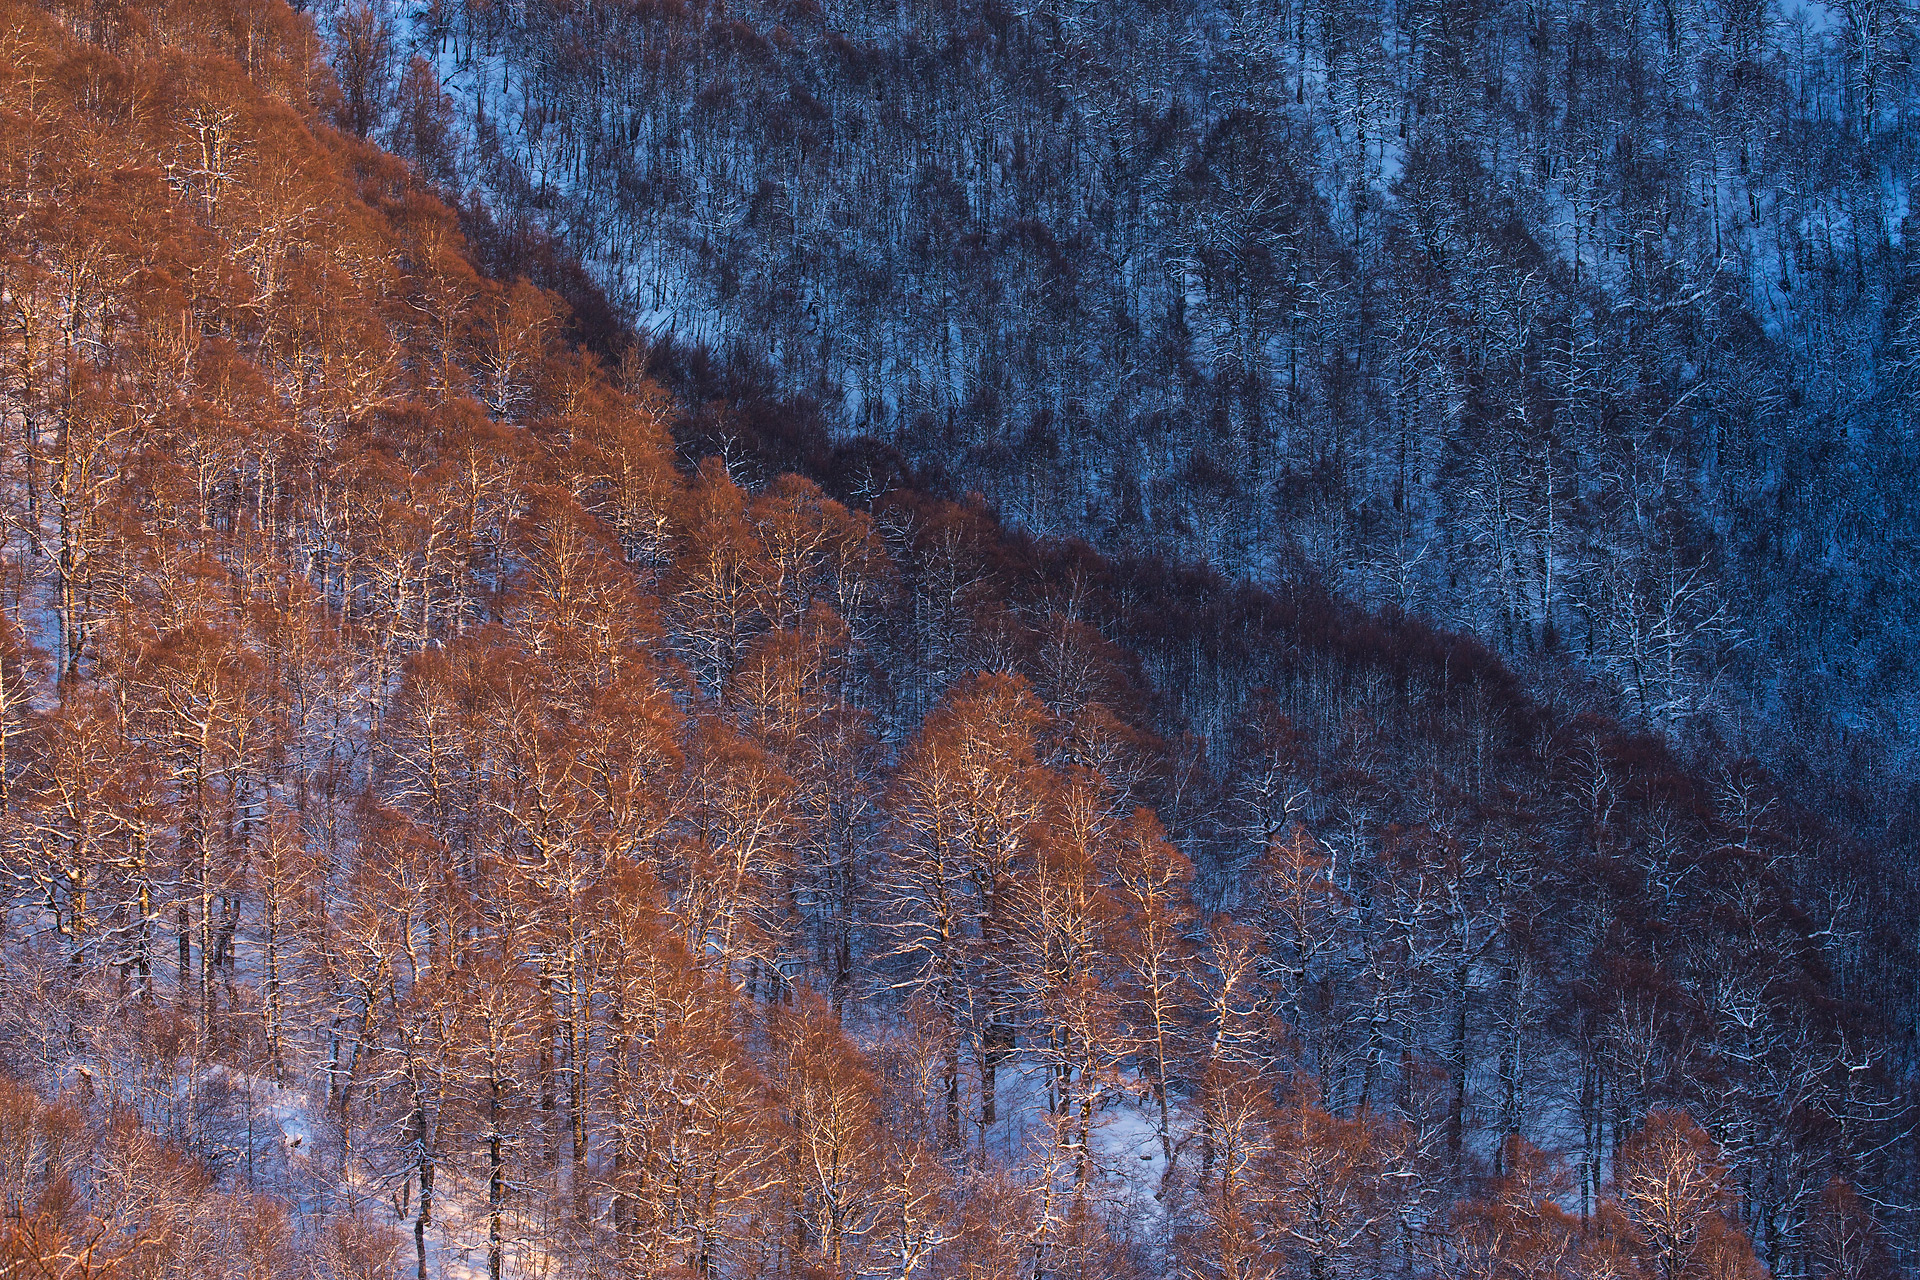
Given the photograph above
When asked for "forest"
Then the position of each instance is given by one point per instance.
(1588, 329)
(491, 786)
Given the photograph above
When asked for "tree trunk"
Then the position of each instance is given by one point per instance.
(496, 1177)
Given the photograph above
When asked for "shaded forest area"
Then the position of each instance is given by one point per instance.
(1586, 329)
(449, 826)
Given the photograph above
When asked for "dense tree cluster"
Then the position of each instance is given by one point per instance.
(441, 831)
(1586, 329)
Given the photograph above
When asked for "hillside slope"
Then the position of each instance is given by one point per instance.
(442, 834)
(1589, 331)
